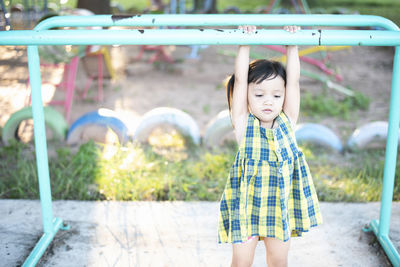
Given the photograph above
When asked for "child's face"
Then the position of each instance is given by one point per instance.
(266, 99)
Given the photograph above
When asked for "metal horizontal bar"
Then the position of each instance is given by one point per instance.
(200, 36)
(207, 20)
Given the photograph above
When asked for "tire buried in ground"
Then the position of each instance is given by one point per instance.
(217, 129)
(102, 126)
(372, 134)
(176, 118)
(318, 134)
(53, 120)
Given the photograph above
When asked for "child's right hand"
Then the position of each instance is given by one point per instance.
(248, 28)
(292, 29)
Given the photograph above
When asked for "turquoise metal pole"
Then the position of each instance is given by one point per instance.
(391, 148)
(50, 225)
(201, 36)
(40, 139)
(217, 20)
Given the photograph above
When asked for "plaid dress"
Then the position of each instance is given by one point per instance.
(269, 191)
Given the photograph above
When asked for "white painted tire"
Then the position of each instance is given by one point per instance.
(180, 120)
(373, 131)
(318, 134)
(218, 127)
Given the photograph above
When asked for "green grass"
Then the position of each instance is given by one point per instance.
(176, 172)
(72, 174)
(160, 172)
(325, 104)
(350, 177)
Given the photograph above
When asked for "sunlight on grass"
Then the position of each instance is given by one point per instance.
(168, 142)
(349, 177)
(136, 172)
(141, 172)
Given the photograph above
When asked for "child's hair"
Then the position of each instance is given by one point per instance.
(259, 70)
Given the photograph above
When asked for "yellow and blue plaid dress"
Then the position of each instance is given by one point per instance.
(269, 191)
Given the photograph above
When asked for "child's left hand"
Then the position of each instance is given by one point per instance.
(292, 28)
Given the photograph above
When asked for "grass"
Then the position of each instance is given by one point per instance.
(72, 174)
(172, 169)
(350, 177)
(325, 104)
(179, 171)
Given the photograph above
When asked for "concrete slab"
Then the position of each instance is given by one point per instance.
(179, 234)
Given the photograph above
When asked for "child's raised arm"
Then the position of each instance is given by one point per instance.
(291, 106)
(239, 98)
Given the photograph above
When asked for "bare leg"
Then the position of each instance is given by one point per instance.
(243, 253)
(277, 252)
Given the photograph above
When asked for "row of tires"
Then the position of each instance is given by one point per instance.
(216, 130)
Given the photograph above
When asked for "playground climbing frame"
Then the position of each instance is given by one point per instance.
(203, 34)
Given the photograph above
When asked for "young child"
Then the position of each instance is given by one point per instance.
(269, 194)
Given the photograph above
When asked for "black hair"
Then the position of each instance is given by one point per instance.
(259, 70)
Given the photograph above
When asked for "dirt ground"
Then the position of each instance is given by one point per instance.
(195, 85)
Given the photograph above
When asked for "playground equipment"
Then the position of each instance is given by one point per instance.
(159, 54)
(327, 82)
(4, 17)
(301, 6)
(204, 7)
(368, 133)
(104, 118)
(173, 7)
(304, 58)
(171, 116)
(42, 36)
(68, 84)
(319, 134)
(194, 54)
(96, 64)
(30, 11)
(53, 119)
(217, 128)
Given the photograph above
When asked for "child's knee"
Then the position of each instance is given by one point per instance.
(277, 252)
(277, 261)
(243, 254)
(244, 261)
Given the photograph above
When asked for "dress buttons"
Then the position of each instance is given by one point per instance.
(280, 170)
(278, 150)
